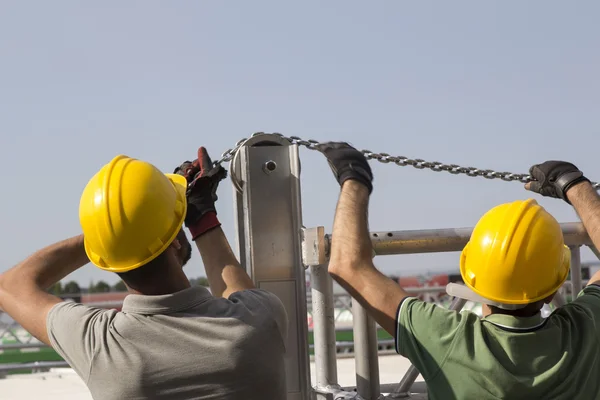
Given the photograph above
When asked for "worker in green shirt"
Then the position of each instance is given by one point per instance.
(514, 263)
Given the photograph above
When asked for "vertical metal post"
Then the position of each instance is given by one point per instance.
(266, 175)
(412, 374)
(323, 328)
(365, 353)
(575, 271)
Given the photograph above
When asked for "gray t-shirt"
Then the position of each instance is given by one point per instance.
(181, 346)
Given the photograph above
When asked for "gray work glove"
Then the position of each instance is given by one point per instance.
(554, 179)
(347, 163)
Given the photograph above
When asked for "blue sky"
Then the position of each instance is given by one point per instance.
(496, 85)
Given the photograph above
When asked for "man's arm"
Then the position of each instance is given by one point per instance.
(563, 180)
(223, 271)
(586, 201)
(351, 260)
(23, 288)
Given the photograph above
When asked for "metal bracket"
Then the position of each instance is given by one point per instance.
(258, 140)
(313, 246)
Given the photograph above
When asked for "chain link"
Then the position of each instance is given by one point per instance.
(401, 161)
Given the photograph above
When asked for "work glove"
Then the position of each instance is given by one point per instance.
(347, 163)
(203, 180)
(554, 179)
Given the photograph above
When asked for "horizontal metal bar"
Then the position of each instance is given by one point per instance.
(453, 239)
(417, 387)
(34, 365)
(19, 346)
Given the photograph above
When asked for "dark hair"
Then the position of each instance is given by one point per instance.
(154, 271)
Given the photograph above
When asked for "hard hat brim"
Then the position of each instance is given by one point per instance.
(179, 182)
(506, 303)
(465, 293)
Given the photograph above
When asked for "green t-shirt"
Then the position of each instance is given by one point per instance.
(502, 357)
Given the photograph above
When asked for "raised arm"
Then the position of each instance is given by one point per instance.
(565, 181)
(223, 271)
(586, 201)
(23, 288)
(351, 260)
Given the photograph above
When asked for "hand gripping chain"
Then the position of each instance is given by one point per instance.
(400, 161)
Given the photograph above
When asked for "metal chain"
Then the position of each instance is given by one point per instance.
(401, 161)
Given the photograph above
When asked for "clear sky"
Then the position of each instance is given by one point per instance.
(496, 85)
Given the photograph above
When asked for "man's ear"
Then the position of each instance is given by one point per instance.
(176, 244)
(549, 299)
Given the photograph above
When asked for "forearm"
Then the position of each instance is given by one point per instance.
(351, 260)
(352, 245)
(223, 271)
(586, 201)
(45, 267)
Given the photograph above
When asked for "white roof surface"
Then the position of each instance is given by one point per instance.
(64, 384)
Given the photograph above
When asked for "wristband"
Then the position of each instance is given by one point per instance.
(207, 222)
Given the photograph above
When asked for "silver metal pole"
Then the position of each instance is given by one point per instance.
(266, 174)
(575, 271)
(365, 353)
(443, 240)
(324, 327)
(413, 373)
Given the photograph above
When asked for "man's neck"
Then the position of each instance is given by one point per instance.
(522, 313)
(162, 289)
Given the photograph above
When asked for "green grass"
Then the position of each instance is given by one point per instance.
(347, 335)
(17, 356)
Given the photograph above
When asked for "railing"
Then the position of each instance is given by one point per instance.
(366, 356)
(33, 367)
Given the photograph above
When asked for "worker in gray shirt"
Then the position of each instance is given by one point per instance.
(170, 340)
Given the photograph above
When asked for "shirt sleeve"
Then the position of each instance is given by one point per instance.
(75, 330)
(425, 333)
(267, 301)
(586, 306)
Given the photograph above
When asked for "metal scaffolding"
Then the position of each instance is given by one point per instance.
(276, 250)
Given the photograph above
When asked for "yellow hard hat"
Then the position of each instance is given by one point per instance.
(516, 255)
(130, 212)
